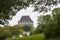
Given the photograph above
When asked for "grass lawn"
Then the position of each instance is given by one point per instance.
(34, 37)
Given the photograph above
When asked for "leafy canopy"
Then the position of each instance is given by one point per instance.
(8, 8)
(50, 25)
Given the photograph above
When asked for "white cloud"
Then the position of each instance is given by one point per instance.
(22, 12)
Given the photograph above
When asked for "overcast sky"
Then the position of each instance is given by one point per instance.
(29, 11)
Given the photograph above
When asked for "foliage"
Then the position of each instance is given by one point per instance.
(4, 33)
(26, 28)
(53, 39)
(42, 22)
(9, 31)
(45, 5)
(35, 31)
(34, 37)
(8, 8)
(15, 31)
(50, 26)
(54, 30)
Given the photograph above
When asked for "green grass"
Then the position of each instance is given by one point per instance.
(34, 37)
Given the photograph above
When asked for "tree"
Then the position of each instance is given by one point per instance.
(45, 5)
(52, 26)
(15, 30)
(56, 14)
(42, 22)
(26, 28)
(10, 31)
(8, 8)
(4, 33)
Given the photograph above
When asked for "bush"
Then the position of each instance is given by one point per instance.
(10, 31)
(26, 28)
(53, 39)
(52, 32)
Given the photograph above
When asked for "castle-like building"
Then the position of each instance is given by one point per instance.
(25, 20)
